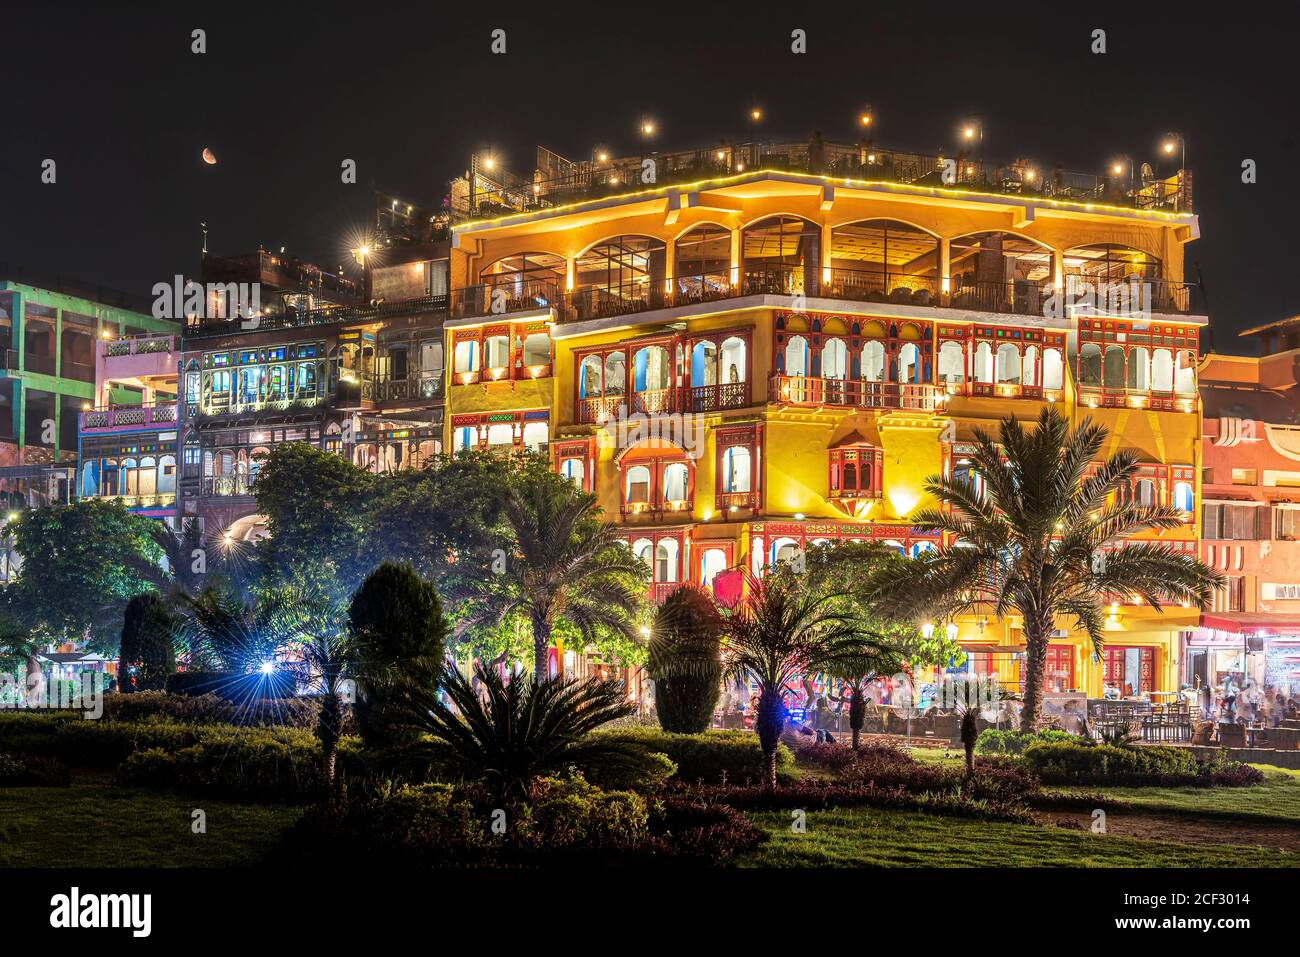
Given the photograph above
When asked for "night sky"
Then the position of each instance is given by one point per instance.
(285, 93)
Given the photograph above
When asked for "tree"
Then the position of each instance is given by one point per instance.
(81, 564)
(685, 661)
(1035, 533)
(222, 631)
(509, 735)
(780, 629)
(398, 627)
(857, 660)
(562, 560)
(147, 654)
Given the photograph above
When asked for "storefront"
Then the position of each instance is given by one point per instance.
(1251, 653)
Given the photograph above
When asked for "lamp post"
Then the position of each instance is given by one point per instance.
(1172, 142)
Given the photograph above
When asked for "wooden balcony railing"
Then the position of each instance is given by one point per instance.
(805, 390)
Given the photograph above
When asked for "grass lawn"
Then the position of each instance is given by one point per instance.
(92, 824)
(1278, 798)
(866, 837)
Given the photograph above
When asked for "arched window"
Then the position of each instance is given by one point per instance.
(733, 360)
(629, 267)
(167, 475)
(1053, 369)
(780, 254)
(703, 263)
(574, 470)
(675, 482)
(784, 550)
(704, 364)
(1144, 493)
(536, 435)
(537, 349)
(1029, 368)
(466, 356)
(1162, 370)
(1090, 364)
(952, 362)
(796, 356)
(1184, 497)
(1185, 374)
(882, 259)
(873, 361)
(589, 377)
(500, 435)
(638, 485)
(652, 369)
(644, 550)
(984, 363)
(735, 466)
(666, 560)
(526, 274)
(1008, 364)
(1113, 373)
(909, 363)
(615, 374)
(713, 560)
(835, 359)
(1139, 369)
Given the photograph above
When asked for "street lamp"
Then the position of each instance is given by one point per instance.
(866, 118)
(1172, 142)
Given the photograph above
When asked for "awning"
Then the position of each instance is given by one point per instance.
(1252, 623)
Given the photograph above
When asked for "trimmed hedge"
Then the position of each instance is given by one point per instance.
(713, 757)
(1060, 762)
(213, 709)
(993, 741)
(29, 770)
(567, 821)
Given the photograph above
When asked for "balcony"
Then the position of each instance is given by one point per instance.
(804, 390)
(411, 389)
(729, 501)
(128, 417)
(715, 398)
(139, 356)
(198, 326)
(1114, 397)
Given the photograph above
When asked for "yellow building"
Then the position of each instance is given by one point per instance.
(757, 360)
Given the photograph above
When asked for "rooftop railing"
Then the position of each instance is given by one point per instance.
(128, 416)
(330, 315)
(498, 192)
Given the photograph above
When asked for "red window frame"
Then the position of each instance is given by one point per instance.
(1112, 670)
(722, 395)
(749, 436)
(515, 334)
(582, 449)
(657, 461)
(869, 461)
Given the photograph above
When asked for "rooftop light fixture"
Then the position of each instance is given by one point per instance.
(755, 114)
(489, 163)
(866, 118)
(602, 156)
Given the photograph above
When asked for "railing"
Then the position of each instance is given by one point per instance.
(725, 501)
(326, 315)
(496, 193)
(599, 409)
(155, 500)
(125, 416)
(1117, 397)
(138, 346)
(713, 398)
(413, 387)
(228, 485)
(804, 390)
(1126, 298)
(864, 285)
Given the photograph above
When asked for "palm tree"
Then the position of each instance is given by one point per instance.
(510, 734)
(1041, 536)
(857, 661)
(782, 629)
(563, 561)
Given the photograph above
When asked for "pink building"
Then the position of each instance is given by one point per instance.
(1250, 507)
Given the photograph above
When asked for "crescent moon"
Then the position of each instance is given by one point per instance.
(209, 157)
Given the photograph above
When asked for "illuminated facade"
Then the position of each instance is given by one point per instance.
(742, 361)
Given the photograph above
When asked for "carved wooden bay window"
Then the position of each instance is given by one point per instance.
(738, 467)
(856, 474)
(666, 554)
(504, 352)
(1137, 364)
(575, 459)
(524, 431)
(1008, 361)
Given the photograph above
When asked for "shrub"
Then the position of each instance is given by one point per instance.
(233, 686)
(992, 741)
(212, 709)
(1062, 762)
(568, 821)
(711, 757)
(147, 654)
(29, 770)
(818, 795)
(259, 767)
(684, 660)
